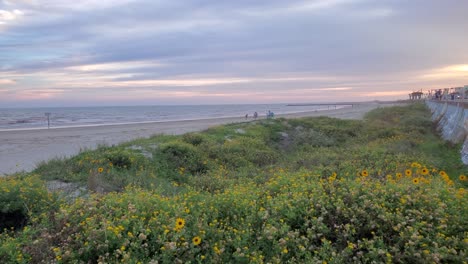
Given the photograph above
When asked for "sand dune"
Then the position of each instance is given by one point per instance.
(24, 149)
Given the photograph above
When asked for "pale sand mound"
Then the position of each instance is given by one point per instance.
(23, 150)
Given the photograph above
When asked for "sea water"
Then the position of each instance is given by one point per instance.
(35, 118)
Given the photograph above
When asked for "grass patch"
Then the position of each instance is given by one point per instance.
(383, 189)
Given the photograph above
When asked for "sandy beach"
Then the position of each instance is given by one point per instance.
(22, 150)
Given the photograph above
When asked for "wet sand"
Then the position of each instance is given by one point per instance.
(22, 150)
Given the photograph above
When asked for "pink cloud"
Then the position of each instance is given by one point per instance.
(37, 94)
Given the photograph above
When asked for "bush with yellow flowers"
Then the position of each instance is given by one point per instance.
(24, 202)
(22, 199)
(295, 217)
(314, 190)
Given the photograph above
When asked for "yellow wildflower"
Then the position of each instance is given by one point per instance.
(408, 172)
(196, 240)
(365, 173)
(180, 223)
(398, 175)
(216, 250)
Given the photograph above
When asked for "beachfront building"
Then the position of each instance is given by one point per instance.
(416, 95)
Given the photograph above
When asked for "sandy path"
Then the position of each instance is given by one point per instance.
(23, 150)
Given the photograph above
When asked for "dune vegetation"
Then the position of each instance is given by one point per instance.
(385, 189)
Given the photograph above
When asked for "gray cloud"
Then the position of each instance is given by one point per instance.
(364, 42)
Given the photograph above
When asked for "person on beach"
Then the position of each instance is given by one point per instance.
(270, 114)
(255, 115)
(246, 116)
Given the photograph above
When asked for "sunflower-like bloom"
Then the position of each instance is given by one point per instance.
(408, 172)
(180, 223)
(364, 173)
(196, 240)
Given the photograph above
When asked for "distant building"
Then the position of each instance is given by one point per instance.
(416, 95)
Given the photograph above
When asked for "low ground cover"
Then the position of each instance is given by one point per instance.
(382, 189)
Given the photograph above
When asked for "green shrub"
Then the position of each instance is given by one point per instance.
(412, 123)
(244, 151)
(122, 159)
(310, 137)
(56, 169)
(193, 138)
(21, 200)
(337, 129)
(79, 167)
(181, 155)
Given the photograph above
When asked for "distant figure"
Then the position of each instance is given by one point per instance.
(246, 116)
(255, 115)
(270, 114)
(440, 94)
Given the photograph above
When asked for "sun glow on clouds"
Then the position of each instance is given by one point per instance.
(302, 92)
(140, 93)
(6, 16)
(320, 5)
(38, 94)
(458, 68)
(94, 78)
(7, 82)
(301, 7)
(151, 83)
(114, 66)
(452, 71)
(333, 89)
(385, 93)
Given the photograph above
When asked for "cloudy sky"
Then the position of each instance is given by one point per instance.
(134, 52)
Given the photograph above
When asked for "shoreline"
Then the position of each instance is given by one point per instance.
(22, 150)
(154, 121)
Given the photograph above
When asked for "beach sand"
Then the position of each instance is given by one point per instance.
(22, 150)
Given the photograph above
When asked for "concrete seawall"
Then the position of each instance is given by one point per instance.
(452, 123)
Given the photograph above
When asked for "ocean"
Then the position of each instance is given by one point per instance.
(35, 118)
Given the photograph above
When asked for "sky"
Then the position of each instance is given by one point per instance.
(153, 52)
